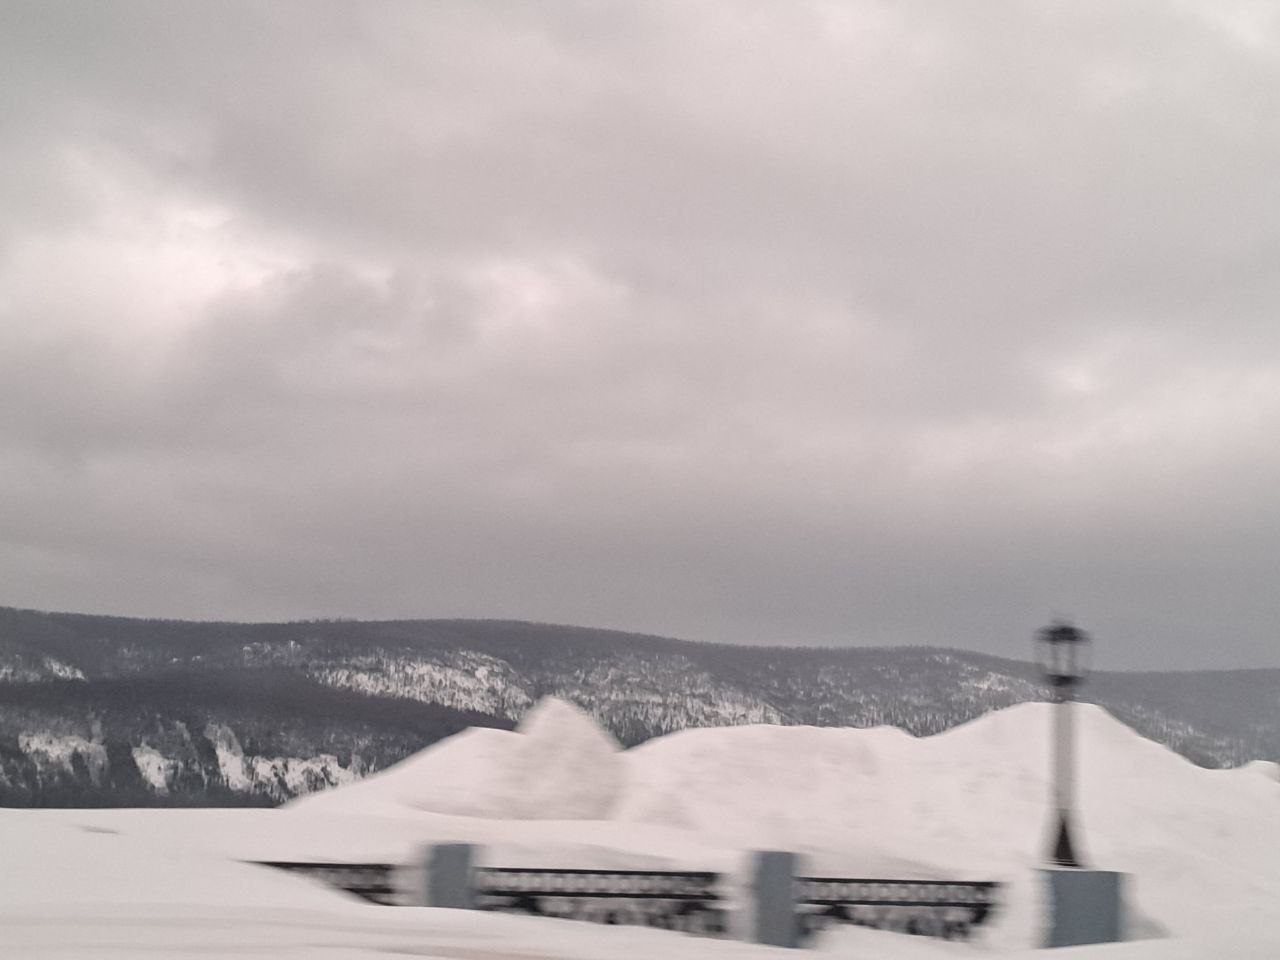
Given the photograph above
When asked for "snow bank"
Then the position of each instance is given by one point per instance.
(55, 866)
(1264, 768)
(557, 765)
(971, 803)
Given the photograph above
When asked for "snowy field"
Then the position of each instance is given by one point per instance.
(1201, 845)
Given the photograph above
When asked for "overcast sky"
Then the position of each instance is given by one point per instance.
(792, 322)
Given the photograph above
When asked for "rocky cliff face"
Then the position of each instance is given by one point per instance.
(171, 762)
(100, 710)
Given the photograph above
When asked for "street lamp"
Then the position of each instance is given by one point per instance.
(1063, 653)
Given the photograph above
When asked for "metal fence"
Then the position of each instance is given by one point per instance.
(672, 900)
(937, 908)
(689, 901)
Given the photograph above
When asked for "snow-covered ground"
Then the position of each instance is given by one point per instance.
(968, 804)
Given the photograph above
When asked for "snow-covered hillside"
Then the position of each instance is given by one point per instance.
(108, 711)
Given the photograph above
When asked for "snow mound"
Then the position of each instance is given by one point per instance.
(568, 767)
(1263, 768)
(960, 796)
(970, 803)
(557, 765)
(760, 784)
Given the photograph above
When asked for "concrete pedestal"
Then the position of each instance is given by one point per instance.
(774, 920)
(1085, 906)
(448, 876)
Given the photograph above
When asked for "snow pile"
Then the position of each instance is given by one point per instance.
(557, 765)
(567, 767)
(972, 791)
(971, 803)
(1265, 768)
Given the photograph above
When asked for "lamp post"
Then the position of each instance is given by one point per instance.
(1063, 653)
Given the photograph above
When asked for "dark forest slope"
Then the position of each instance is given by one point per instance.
(112, 710)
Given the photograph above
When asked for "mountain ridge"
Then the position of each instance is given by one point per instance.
(157, 711)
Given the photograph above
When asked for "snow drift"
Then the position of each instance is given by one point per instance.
(557, 765)
(970, 803)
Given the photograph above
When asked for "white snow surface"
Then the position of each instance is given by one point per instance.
(1199, 845)
(557, 765)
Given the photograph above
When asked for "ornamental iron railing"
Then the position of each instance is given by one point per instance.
(688, 901)
(672, 900)
(937, 908)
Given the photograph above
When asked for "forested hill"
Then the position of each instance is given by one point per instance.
(112, 710)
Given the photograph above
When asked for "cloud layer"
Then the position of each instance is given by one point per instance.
(850, 323)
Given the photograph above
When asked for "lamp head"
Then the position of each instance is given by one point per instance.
(1063, 652)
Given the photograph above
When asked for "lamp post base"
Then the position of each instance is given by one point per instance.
(1085, 906)
(1064, 854)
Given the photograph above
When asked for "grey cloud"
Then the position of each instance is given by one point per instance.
(840, 323)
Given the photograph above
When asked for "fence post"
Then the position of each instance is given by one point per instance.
(448, 876)
(1085, 906)
(774, 920)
